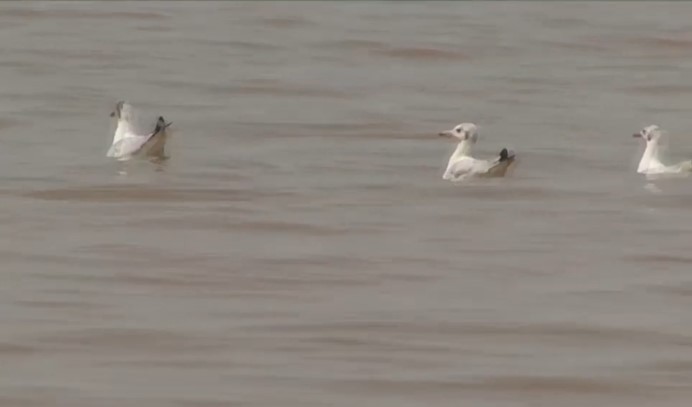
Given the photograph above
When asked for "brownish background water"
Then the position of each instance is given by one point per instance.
(300, 248)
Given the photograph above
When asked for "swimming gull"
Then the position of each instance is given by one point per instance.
(651, 164)
(133, 140)
(461, 165)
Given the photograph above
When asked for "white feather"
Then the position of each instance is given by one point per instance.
(132, 140)
(462, 165)
(651, 164)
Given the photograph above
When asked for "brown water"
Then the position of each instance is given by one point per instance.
(300, 248)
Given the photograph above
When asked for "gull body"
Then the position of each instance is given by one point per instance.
(462, 165)
(650, 163)
(131, 140)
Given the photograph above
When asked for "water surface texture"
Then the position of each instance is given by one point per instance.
(300, 249)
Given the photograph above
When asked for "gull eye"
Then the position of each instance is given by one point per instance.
(458, 130)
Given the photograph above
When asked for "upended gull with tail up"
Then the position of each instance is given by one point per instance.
(133, 140)
(461, 165)
(650, 163)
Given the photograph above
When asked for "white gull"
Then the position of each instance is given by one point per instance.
(132, 140)
(462, 165)
(650, 163)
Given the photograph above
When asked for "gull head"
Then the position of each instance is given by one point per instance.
(462, 132)
(649, 134)
(123, 111)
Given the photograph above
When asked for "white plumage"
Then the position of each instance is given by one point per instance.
(650, 163)
(132, 140)
(462, 165)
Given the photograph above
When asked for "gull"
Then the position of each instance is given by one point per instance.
(651, 164)
(461, 165)
(131, 141)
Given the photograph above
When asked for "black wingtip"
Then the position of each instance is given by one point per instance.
(506, 155)
(161, 125)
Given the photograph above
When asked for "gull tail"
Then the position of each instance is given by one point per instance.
(155, 144)
(501, 164)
